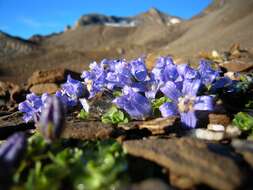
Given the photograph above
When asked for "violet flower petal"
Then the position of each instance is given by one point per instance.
(168, 109)
(136, 105)
(73, 88)
(171, 91)
(191, 87)
(138, 69)
(204, 103)
(189, 119)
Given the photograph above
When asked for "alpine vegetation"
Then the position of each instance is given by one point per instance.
(136, 89)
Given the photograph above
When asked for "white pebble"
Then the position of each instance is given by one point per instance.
(232, 131)
(208, 135)
(215, 127)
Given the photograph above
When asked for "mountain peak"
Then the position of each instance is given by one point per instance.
(155, 16)
(153, 11)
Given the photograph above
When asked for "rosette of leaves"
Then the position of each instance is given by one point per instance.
(114, 116)
(244, 122)
(71, 165)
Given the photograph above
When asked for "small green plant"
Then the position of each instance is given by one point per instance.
(160, 101)
(73, 165)
(83, 115)
(249, 104)
(114, 116)
(244, 122)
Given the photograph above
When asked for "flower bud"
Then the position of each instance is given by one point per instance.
(52, 119)
(11, 153)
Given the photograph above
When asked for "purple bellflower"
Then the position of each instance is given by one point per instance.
(119, 75)
(73, 88)
(165, 70)
(186, 72)
(185, 102)
(32, 106)
(136, 105)
(71, 92)
(95, 78)
(152, 87)
(207, 73)
(138, 69)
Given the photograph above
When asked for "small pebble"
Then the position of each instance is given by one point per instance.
(208, 135)
(232, 131)
(215, 127)
(243, 145)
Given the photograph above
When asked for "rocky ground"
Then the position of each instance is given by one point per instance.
(216, 157)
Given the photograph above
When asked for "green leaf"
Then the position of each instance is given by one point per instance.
(72, 164)
(114, 116)
(160, 101)
(117, 93)
(83, 115)
(249, 104)
(244, 121)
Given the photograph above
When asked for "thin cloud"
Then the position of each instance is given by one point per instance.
(37, 24)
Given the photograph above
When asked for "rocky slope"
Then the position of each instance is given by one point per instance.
(95, 36)
(221, 24)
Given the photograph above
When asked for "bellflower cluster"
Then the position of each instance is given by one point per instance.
(135, 104)
(182, 84)
(32, 106)
(71, 92)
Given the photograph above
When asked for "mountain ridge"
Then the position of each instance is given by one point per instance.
(216, 27)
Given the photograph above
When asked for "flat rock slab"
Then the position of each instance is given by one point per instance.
(191, 158)
(87, 130)
(49, 88)
(149, 184)
(238, 66)
(48, 76)
(12, 123)
(155, 126)
(245, 148)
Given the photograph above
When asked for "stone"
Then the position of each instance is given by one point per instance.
(232, 131)
(10, 91)
(221, 119)
(206, 134)
(50, 88)
(149, 184)
(86, 130)
(47, 76)
(191, 158)
(181, 182)
(155, 126)
(237, 65)
(245, 148)
(243, 145)
(216, 127)
(232, 75)
(3, 89)
(11, 123)
(216, 132)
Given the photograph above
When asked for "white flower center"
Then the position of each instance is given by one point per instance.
(89, 85)
(186, 103)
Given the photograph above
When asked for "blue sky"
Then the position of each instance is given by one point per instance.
(27, 17)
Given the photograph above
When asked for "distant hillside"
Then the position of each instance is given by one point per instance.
(223, 23)
(96, 36)
(13, 46)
